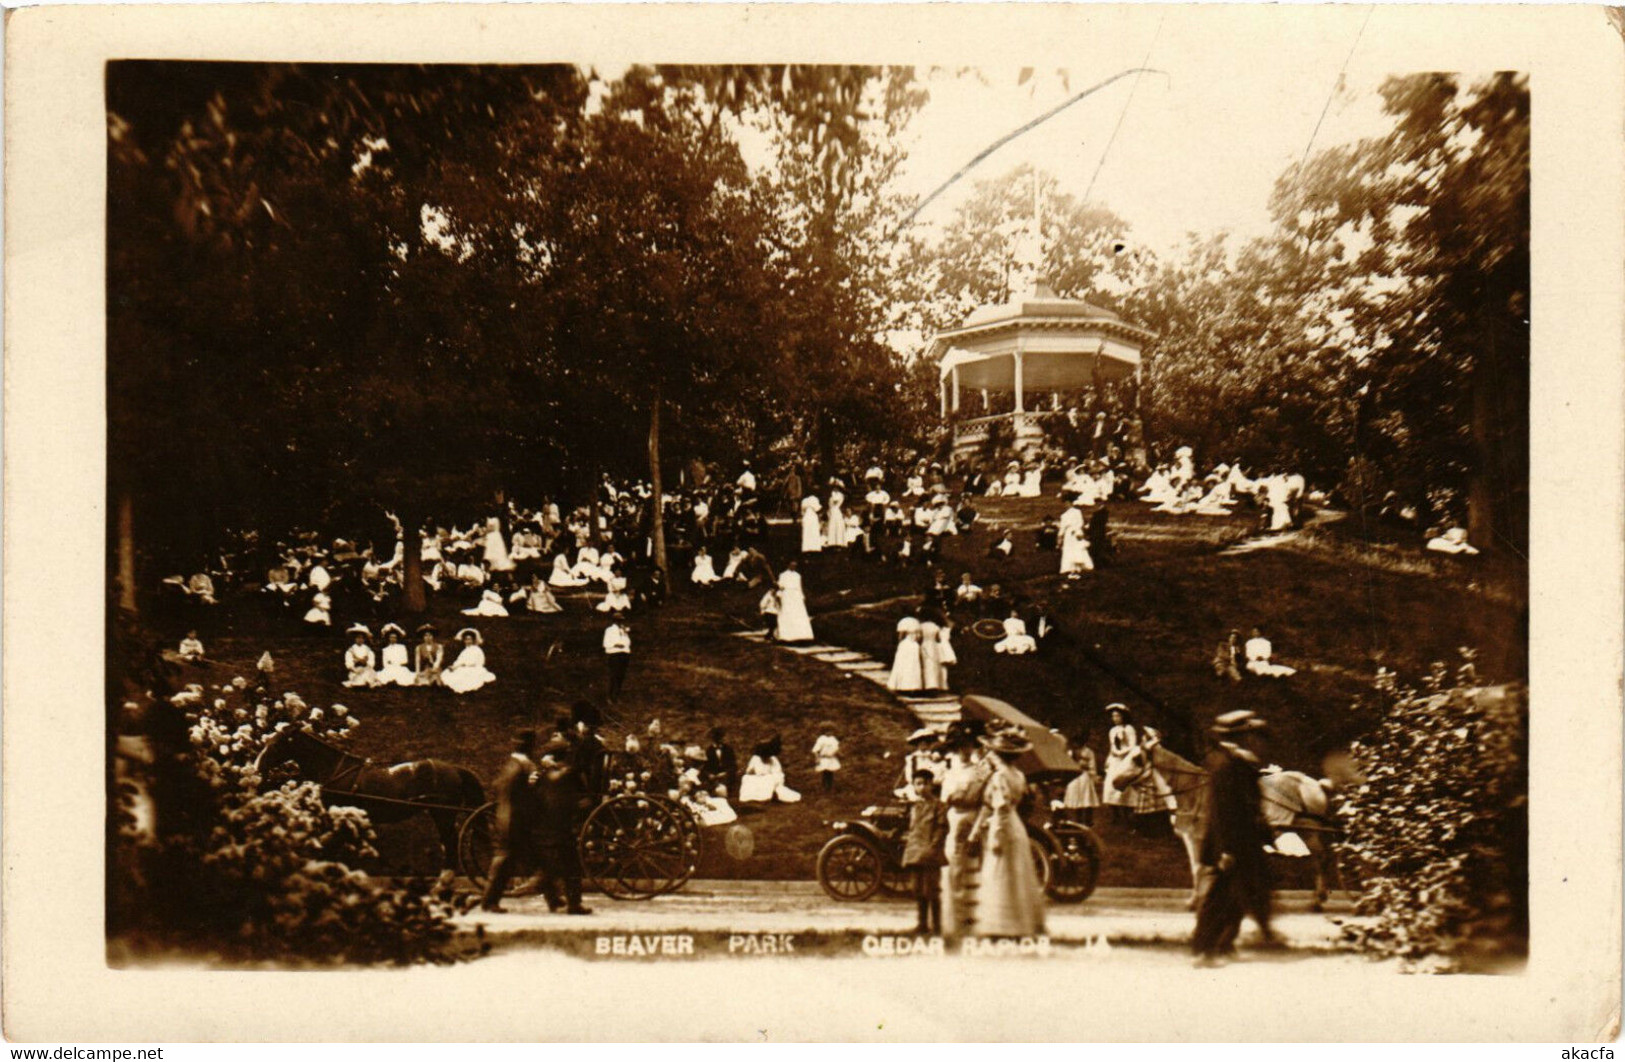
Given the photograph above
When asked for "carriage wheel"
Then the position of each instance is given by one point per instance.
(897, 881)
(1074, 864)
(634, 847)
(692, 836)
(476, 846)
(1041, 864)
(850, 869)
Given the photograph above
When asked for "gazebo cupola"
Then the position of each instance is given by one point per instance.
(1033, 345)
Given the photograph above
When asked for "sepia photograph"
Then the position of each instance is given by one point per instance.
(630, 515)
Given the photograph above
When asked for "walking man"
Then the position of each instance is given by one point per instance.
(560, 796)
(1233, 861)
(515, 818)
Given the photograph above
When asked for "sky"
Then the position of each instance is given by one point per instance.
(1198, 149)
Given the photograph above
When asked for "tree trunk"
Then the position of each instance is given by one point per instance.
(126, 551)
(1481, 507)
(657, 516)
(412, 563)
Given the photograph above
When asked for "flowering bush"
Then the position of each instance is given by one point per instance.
(253, 869)
(1437, 828)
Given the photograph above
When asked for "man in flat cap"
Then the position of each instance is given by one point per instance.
(1232, 853)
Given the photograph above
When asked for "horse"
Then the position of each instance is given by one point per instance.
(443, 791)
(1292, 802)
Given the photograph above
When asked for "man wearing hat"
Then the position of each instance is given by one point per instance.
(516, 818)
(1232, 853)
(560, 797)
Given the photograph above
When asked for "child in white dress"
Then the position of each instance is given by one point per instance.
(490, 604)
(1016, 640)
(705, 572)
(826, 750)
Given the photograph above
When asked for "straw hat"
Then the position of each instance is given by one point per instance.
(1240, 721)
(1007, 741)
(359, 628)
(395, 627)
(925, 733)
(469, 630)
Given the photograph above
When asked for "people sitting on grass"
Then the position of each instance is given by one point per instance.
(736, 558)
(615, 597)
(191, 648)
(536, 596)
(1452, 541)
(360, 663)
(1016, 640)
(1227, 658)
(1258, 652)
(967, 594)
(468, 672)
(321, 610)
(705, 572)
(1002, 546)
(489, 604)
(428, 658)
(763, 780)
(564, 576)
(394, 658)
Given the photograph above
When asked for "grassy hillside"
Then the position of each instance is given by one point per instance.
(1141, 631)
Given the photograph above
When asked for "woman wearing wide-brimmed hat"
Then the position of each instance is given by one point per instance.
(428, 657)
(468, 672)
(394, 658)
(360, 663)
(1009, 898)
(964, 777)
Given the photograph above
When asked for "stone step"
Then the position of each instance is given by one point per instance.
(812, 649)
(877, 677)
(864, 664)
(841, 656)
(751, 636)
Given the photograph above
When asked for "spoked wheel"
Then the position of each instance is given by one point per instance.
(897, 881)
(692, 836)
(1041, 864)
(1075, 863)
(850, 869)
(476, 846)
(634, 847)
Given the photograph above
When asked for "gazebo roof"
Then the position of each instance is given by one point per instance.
(1066, 343)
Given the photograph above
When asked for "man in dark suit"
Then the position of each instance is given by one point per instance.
(1232, 853)
(515, 818)
(721, 766)
(561, 799)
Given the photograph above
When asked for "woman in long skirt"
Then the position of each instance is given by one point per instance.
(963, 780)
(835, 537)
(812, 532)
(1009, 898)
(905, 668)
(794, 623)
(395, 657)
(931, 677)
(468, 672)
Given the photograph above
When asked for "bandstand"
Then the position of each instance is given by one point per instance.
(1033, 346)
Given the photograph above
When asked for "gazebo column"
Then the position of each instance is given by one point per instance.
(1021, 405)
(987, 403)
(942, 396)
(955, 401)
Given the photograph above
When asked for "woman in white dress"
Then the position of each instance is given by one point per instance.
(1122, 744)
(468, 673)
(587, 567)
(835, 537)
(905, 669)
(527, 545)
(360, 663)
(736, 557)
(1075, 559)
(945, 651)
(490, 604)
(1009, 900)
(321, 610)
(705, 572)
(812, 531)
(1016, 640)
(763, 780)
(1032, 481)
(537, 597)
(497, 558)
(1276, 491)
(562, 576)
(1012, 479)
(1259, 651)
(616, 599)
(794, 623)
(395, 657)
(931, 676)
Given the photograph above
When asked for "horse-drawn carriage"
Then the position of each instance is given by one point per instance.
(633, 846)
(865, 855)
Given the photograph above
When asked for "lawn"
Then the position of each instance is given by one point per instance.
(1140, 631)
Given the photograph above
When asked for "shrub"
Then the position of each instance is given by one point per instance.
(248, 871)
(1436, 831)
